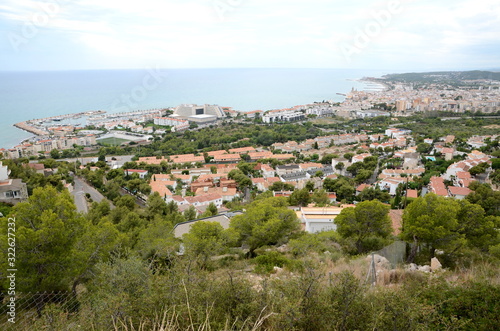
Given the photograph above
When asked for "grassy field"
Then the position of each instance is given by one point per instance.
(325, 120)
(112, 141)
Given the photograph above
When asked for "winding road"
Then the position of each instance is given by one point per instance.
(79, 191)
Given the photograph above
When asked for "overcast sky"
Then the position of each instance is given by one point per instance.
(114, 34)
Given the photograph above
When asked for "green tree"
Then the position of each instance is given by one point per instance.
(210, 211)
(156, 243)
(300, 197)
(369, 219)
(281, 186)
(190, 213)
(495, 163)
(320, 197)
(327, 159)
(479, 169)
(478, 229)
(484, 196)
(241, 179)
(339, 166)
(54, 154)
(348, 156)
(48, 229)
(94, 246)
(205, 239)
(424, 148)
(155, 205)
(371, 193)
(495, 177)
(266, 222)
(343, 187)
(362, 176)
(431, 220)
(126, 201)
(98, 210)
(246, 168)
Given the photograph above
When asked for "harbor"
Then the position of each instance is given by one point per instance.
(40, 126)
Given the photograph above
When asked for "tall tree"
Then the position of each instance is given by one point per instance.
(56, 247)
(367, 220)
(204, 240)
(432, 220)
(266, 222)
(190, 213)
(478, 229)
(48, 228)
(300, 197)
(155, 206)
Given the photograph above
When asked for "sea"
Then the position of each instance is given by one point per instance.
(39, 94)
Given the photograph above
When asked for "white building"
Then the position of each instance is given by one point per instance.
(317, 219)
(177, 124)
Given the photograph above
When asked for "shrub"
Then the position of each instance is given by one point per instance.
(266, 263)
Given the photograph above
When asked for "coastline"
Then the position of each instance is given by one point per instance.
(376, 81)
(234, 90)
(30, 127)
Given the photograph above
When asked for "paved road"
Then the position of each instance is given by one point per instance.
(79, 197)
(80, 188)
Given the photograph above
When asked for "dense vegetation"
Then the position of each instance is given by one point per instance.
(450, 77)
(122, 265)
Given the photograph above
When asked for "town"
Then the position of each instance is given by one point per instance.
(409, 175)
(391, 161)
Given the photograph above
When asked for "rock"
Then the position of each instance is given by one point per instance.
(412, 267)
(277, 269)
(435, 264)
(424, 268)
(380, 261)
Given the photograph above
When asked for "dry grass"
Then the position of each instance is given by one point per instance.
(478, 271)
(169, 321)
(493, 126)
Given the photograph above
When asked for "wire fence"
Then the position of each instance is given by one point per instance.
(395, 253)
(24, 311)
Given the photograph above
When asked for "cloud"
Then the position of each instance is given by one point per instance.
(192, 33)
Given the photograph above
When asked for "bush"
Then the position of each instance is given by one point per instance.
(5, 208)
(314, 242)
(266, 263)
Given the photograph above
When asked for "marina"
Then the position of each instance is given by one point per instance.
(41, 126)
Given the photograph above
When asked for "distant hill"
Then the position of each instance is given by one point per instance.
(443, 76)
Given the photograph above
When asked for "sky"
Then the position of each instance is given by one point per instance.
(417, 35)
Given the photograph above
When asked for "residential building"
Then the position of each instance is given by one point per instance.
(458, 192)
(142, 173)
(11, 190)
(317, 219)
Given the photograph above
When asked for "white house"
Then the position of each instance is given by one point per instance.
(391, 184)
(11, 190)
(142, 173)
(317, 219)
